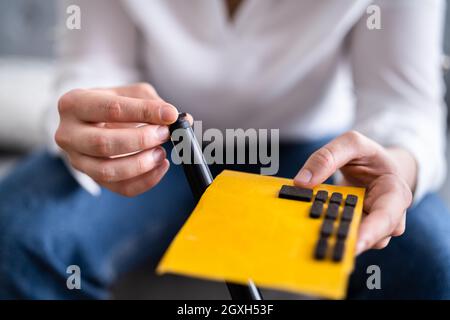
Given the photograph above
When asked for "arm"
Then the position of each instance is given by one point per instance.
(398, 146)
(399, 87)
(98, 127)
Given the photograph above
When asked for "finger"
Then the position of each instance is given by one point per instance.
(97, 106)
(118, 169)
(385, 215)
(400, 228)
(382, 244)
(327, 160)
(119, 125)
(99, 142)
(375, 227)
(138, 185)
(140, 90)
(189, 118)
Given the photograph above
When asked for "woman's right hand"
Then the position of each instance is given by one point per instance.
(114, 135)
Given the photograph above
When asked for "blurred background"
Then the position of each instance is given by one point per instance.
(28, 29)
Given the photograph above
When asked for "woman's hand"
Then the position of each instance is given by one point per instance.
(114, 135)
(388, 174)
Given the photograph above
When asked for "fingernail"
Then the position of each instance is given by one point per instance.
(304, 176)
(158, 155)
(168, 113)
(163, 133)
(360, 247)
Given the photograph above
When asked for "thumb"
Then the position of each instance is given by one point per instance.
(319, 167)
(323, 163)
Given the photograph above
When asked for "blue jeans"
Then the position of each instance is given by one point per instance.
(48, 222)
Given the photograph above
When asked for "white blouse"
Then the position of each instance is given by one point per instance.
(310, 68)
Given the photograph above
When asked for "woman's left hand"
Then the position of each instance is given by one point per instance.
(388, 174)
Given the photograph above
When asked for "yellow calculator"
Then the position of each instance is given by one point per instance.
(260, 228)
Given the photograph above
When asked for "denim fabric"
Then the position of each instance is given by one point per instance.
(48, 222)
